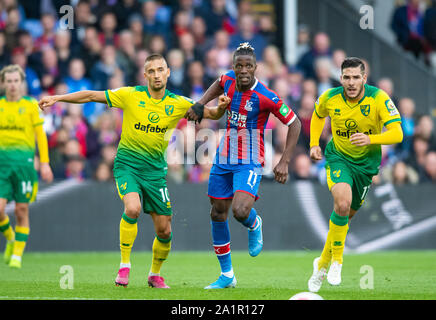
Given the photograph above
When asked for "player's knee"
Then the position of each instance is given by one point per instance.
(218, 212)
(164, 233)
(342, 207)
(133, 210)
(241, 211)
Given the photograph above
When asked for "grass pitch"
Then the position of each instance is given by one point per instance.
(273, 275)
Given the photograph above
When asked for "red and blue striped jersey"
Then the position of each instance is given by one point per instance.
(247, 115)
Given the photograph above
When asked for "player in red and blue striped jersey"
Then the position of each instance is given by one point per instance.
(237, 170)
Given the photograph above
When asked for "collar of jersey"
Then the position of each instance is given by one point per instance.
(151, 98)
(360, 101)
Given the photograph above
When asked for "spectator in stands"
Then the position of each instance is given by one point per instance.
(221, 45)
(430, 32)
(187, 45)
(157, 44)
(105, 68)
(177, 67)
(407, 110)
(387, 85)
(408, 25)
(417, 157)
(302, 168)
(303, 40)
(247, 33)
(125, 9)
(136, 27)
(305, 115)
(320, 48)
(197, 84)
(152, 25)
(125, 57)
(425, 128)
(103, 173)
(4, 52)
(108, 153)
(182, 23)
(399, 174)
(430, 168)
(105, 126)
(50, 75)
(323, 75)
(267, 28)
(12, 28)
(90, 49)
(198, 29)
(32, 81)
(75, 168)
(215, 15)
(76, 81)
(108, 26)
(338, 57)
(310, 87)
(211, 67)
(295, 83)
(273, 62)
(47, 38)
(83, 18)
(63, 50)
(26, 42)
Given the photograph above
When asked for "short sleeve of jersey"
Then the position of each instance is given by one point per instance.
(185, 103)
(321, 105)
(386, 109)
(117, 97)
(283, 112)
(36, 114)
(226, 77)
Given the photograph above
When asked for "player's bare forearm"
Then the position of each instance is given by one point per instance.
(75, 97)
(291, 140)
(211, 93)
(213, 113)
(282, 168)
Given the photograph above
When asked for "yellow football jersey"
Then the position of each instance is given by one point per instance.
(147, 126)
(18, 120)
(368, 116)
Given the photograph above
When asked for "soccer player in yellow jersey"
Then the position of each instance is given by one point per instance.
(358, 112)
(150, 113)
(20, 124)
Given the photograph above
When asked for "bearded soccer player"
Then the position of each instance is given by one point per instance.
(237, 170)
(20, 124)
(358, 113)
(150, 113)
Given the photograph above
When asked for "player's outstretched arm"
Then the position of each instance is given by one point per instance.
(217, 112)
(316, 127)
(75, 97)
(282, 168)
(196, 112)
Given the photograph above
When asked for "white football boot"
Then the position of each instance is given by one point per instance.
(334, 274)
(315, 281)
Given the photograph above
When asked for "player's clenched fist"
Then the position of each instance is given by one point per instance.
(315, 153)
(47, 101)
(223, 102)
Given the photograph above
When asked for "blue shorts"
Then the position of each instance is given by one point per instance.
(225, 180)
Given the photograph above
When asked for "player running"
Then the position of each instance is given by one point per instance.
(358, 113)
(237, 170)
(150, 113)
(20, 124)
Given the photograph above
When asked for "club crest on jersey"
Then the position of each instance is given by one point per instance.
(169, 109)
(365, 109)
(392, 109)
(249, 106)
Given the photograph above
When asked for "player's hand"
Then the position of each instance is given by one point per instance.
(360, 139)
(316, 153)
(46, 173)
(47, 101)
(223, 102)
(281, 172)
(191, 115)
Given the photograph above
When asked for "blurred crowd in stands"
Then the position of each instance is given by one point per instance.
(107, 48)
(414, 25)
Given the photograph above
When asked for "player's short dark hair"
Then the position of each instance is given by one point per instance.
(244, 49)
(154, 56)
(353, 62)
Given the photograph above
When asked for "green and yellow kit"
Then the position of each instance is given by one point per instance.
(345, 162)
(140, 164)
